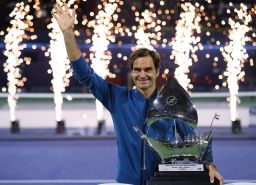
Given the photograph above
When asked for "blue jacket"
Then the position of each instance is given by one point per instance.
(127, 108)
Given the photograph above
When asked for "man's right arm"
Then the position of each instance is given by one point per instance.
(105, 92)
(72, 48)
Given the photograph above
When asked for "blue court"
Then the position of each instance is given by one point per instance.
(94, 161)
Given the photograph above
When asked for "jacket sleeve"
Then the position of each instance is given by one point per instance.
(104, 91)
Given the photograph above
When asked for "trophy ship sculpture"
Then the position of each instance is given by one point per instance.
(178, 155)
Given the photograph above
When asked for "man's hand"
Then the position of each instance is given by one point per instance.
(64, 18)
(213, 173)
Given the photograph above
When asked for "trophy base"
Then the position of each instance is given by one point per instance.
(181, 178)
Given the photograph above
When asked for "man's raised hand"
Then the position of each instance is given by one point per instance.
(63, 17)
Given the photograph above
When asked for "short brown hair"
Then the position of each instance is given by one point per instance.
(143, 52)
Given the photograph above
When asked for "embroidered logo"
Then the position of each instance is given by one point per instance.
(171, 100)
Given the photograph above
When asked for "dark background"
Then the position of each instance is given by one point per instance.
(203, 76)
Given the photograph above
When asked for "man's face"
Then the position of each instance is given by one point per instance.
(144, 73)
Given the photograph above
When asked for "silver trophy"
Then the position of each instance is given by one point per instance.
(179, 154)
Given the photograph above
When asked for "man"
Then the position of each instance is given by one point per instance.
(127, 106)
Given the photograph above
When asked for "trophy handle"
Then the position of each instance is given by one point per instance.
(141, 134)
(209, 136)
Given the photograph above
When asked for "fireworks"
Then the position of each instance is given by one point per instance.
(60, 65)
(20, 23)
(235, 55)
(149, 30)
(183, 45)
(149, 25)
(145, 39)
(102, 36)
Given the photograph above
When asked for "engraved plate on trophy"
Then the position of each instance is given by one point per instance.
(180, 167)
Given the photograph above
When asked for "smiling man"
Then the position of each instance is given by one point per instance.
(127, 106)
(145, 66)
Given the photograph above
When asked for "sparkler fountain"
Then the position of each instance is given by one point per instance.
(183, 44)
(20, 23)
(235, 55)
(144, 37)
(61, 69)
(100, 55)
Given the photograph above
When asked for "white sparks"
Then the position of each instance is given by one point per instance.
(183, 49)
(235, 54)
(146, 39)
(60, 65)
(13, 52)
(101, 38)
